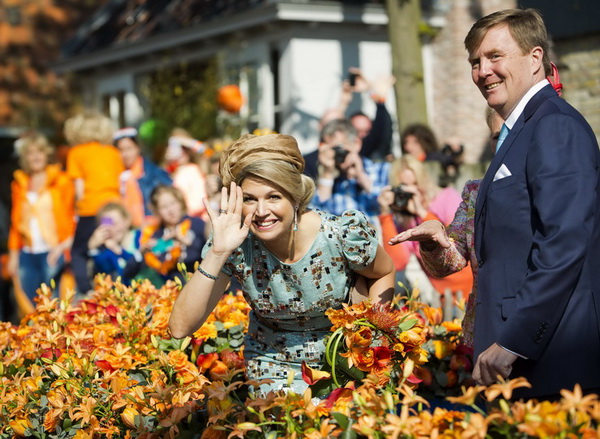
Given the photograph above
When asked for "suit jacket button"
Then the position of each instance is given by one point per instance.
(480, 262)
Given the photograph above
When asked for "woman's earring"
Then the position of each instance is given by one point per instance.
(296, 219)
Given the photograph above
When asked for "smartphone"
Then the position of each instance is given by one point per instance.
(106, 221)
(352, 79)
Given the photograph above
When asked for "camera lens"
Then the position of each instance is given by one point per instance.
(401, 199)
(340, 154)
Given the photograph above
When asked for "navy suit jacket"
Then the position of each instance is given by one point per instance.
(537, 241)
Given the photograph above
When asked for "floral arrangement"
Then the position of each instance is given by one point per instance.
(106, 367)
(369, 339)
(450, 360)
(373, 413)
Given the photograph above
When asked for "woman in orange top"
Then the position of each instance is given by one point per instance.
(42, 218)
(94, 165)
(412, 200)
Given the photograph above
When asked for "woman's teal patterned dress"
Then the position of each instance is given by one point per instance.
(288, 322)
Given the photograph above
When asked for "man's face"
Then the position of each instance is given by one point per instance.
(362, 124)
(502, 72)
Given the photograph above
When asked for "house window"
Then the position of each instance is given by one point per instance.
(113, 105)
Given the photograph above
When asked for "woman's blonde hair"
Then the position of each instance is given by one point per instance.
(113, 206)
(32, 140)
(89, 126)
(411, 163)
(273, 158)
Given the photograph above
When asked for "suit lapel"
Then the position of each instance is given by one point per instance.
(533, 104)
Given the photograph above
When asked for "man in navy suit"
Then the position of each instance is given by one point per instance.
(537, 220)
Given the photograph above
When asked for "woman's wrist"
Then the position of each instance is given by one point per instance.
(384, 210)
(216, 257)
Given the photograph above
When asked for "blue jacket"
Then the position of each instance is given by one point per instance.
(153, 176)
(537, 235)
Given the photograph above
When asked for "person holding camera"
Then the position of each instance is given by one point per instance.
(411, 200)
(375, 134)
(345, 179)
(419, 141)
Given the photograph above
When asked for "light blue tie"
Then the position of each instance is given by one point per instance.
(503, 133)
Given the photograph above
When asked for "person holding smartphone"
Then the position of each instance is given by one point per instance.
(113, 242)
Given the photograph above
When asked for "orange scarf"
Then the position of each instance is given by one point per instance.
(164, 262)
(132, 194)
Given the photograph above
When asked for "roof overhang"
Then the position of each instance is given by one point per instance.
(279, 12)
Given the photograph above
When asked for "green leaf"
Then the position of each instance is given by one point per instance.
(208, 349)
(440, 331)
(348, 432)
(341, 364)
(407, 324)
(341, 419)
(236, 343)
(323, 387)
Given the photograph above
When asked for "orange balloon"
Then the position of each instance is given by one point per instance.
(230, 98)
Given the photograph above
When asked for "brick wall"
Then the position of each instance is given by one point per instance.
(459, 109)
(579, 69)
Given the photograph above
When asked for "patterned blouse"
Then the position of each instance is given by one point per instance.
(288, 322)
(444, 261)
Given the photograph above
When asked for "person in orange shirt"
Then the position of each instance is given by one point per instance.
(94, 165)
(42, 219)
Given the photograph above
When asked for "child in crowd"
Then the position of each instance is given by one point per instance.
(176, 238)
(113, 243)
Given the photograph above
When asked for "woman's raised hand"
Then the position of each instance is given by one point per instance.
(229, 229)
(430, 234)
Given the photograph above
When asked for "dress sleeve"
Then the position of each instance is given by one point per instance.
(442, 262)
(358, 239)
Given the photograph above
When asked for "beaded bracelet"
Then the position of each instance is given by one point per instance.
(206, 273)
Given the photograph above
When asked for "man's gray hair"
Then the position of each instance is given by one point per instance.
(339, 125)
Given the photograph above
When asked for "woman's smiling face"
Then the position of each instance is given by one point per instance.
(272, 211)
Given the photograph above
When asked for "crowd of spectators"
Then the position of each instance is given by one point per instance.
(111, 210)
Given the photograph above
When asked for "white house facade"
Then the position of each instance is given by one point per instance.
(289, 58)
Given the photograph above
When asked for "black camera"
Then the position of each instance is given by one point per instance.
(453, 156)
(450, 159)
(340, 154)
(401, 199)
(352, 79)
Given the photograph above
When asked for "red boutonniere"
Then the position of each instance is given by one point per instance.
(554, 79)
